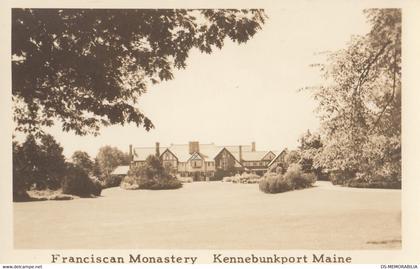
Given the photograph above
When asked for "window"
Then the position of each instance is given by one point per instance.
(196, 164)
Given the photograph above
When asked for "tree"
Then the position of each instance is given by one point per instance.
(20, 172)
(360, 102)
(82, 160)
(108, 158)
(88, 67)
(310, 147)
(37, 163)
(52, 161)
(291, 157)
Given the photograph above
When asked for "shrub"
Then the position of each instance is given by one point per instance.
(77, 182)
(112, 181)
(129, 183)
(245, 178)
(249, 178)
(151, 176)
(95, 187)
(363, 180)
(166, 184)
(293, 179)
(297, 179)
(273, 183)
(221, 174)
(339, 177)
(133, 183)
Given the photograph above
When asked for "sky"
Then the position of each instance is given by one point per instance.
(241, 93)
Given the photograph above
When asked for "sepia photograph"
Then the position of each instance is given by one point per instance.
(206, 128)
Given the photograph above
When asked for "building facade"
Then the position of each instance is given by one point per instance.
(201, 161)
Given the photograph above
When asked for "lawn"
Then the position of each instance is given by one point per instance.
(215, 215)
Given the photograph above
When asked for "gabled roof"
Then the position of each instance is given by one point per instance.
(235, 155)
(207, 152)
(168, 150)
(268, 152)
(253, 155)
(235, 148)
(140, 154)
(196, 156)
(278, 154)
(181, 151)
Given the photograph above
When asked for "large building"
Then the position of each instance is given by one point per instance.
(202, 160)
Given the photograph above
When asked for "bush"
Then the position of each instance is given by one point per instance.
(112, 181)
(274, 183)
(221, 174)
(293, 179)
(244, 178)
(150, 176)
(362, 180)
(339, 177)
(365, 180)
(249, 178)
(297, 179)
(77, 182)
(167, 184)
(134, 183)
(129, 183)
(95, 187)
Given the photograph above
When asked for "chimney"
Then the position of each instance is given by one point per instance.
(157, 150)
(253, 146)
(193, 147)
(130, 153)
(240, 153)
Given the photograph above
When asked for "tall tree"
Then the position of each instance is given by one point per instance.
(52, 161)
(37, 163)
(360, 101)
(310, 146)
(108, 158)
(82, 160)
(88, 67)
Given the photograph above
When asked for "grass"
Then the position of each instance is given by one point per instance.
(215, 215)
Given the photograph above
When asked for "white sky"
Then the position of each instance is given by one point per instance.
(241, 93)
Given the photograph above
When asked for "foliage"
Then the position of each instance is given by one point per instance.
(293, 179)
(88, 67)
(39, 164)
(291, 157)
(274, 183)
(20, 172)
(112, 181)
(377, 183)
(82, 160)
(151, 175)
(245, 178)
(297, 178)
(77, 182)
(107, 159)
(221, 174)
(310, 147)
(360, 103)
